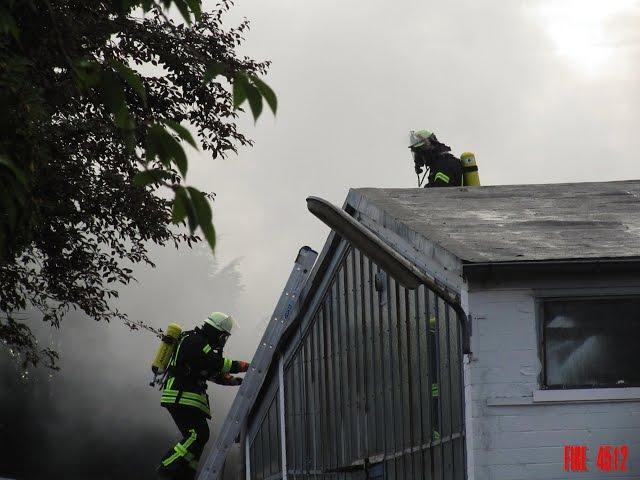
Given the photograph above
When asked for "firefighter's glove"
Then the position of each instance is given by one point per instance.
(232, 381)
(242, 367)
(229, 380)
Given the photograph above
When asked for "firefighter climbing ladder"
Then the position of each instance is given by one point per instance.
(284, 313)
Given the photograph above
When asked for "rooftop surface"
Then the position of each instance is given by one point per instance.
(507, 223)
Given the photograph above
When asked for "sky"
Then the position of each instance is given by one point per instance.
(542, 91)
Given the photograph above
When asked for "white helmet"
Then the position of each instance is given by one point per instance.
(221, 321)
(420, 138)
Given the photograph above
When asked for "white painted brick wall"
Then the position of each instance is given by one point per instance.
(512, 441)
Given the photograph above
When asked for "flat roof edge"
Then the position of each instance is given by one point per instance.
(489, 270)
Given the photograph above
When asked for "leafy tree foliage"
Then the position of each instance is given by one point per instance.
(95, 99)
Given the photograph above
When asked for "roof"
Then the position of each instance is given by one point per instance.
(507, 223)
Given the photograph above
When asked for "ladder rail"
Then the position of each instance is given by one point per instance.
(283, 315)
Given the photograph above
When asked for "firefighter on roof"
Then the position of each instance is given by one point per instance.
(196, 359)
(443, 168)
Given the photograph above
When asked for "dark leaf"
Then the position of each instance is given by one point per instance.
(266, 92)
(201, 205)
(7, 163)
(192, 216)
(8, 24)
(196, 8)
(209, 232)
(179, 210)
(214, 70)
(114, 99)
(240, 85)
(151, 176)
(89, 73)
(255, 100)
(176, 153)
(131, 77)
(182, 132)
(161, 143)
(203, 210)
(123, 6)
(183, 6)
(151, 144)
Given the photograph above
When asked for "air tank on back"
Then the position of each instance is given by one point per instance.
(470, 175)
(165, 350)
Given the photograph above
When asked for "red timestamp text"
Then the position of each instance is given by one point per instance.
(610, 458)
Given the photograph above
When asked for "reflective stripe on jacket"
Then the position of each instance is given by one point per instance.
(445, 170)
(193, 362)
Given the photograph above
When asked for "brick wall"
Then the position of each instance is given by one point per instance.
(514, 437)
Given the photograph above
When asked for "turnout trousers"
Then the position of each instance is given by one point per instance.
(181, 461)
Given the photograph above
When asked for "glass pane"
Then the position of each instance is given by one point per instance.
(592, 342)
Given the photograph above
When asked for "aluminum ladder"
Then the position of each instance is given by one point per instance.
(282, 316)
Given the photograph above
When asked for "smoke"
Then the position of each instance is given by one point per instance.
(98, 418)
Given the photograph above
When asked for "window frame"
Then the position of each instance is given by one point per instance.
(544, 296)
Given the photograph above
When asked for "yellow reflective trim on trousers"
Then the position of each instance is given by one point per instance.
(435, 390)
(170, 383)
(173, 398)
(191, 439)
(195, 398)
(226, 366)
(182, 450)
(187, 402)
(199, 396)
(442, 176)
(207, 348)
(191, 396)
(171, 459)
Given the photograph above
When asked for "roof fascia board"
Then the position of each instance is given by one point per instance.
(451, 279)
(492, 272)
(428, 255)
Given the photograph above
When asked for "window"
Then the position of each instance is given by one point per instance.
(591, 342)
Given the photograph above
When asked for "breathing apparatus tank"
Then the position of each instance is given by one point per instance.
(164, 351)
(470, 177)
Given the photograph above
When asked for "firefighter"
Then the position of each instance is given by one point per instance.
(444, 169)
(196, 359)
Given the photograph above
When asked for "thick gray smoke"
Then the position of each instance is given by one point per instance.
(97, 418)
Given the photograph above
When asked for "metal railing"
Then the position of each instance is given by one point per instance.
(375, 382)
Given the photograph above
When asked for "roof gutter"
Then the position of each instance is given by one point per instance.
(486, 271)
(396, 265)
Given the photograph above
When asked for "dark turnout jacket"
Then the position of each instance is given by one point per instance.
(193, 363)
(445, 170)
